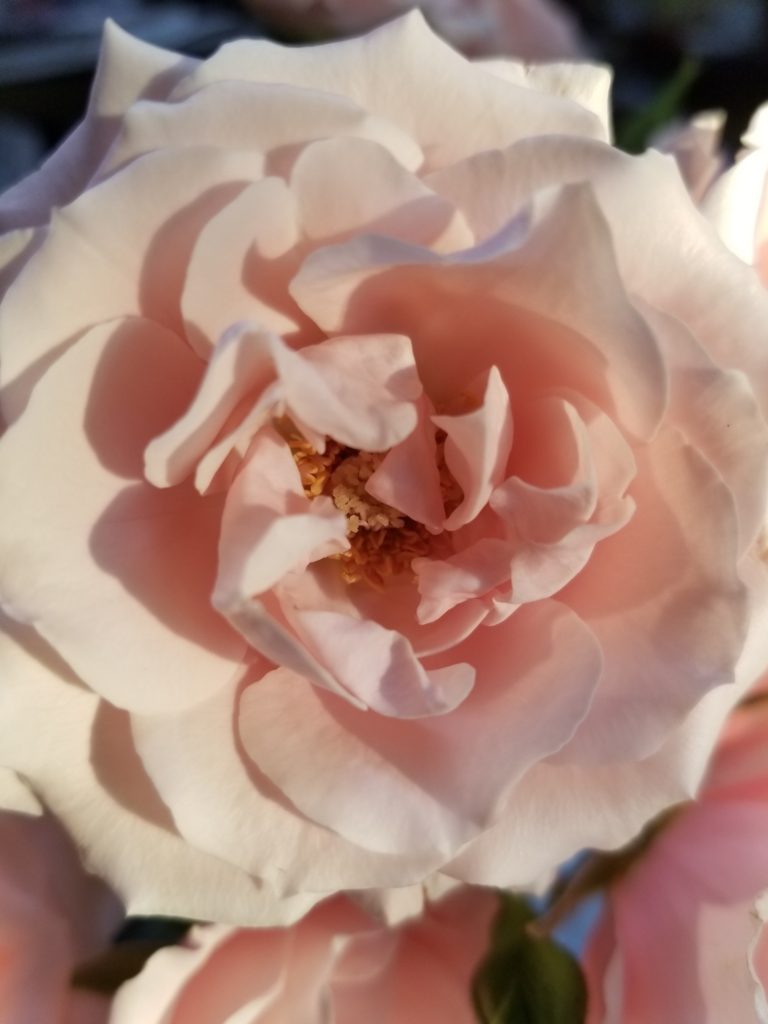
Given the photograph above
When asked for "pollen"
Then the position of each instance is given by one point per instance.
(383, 541)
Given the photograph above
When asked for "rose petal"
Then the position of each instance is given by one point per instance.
(543, 275)
(380, 668)
(122, 822)
(471, 573)
(102, 274)
(221, 286)
(141, 562)
(269, 526)
(670, 605)
(262, 117)
(247, 821)
(361, 391)
(325, 180)
(440, 777)
(477, 448)
(407, 478)
(491, 111)
(241, 364)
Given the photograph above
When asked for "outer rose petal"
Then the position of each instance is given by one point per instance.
(111, 530)
(492, 112)
(128, 69)
(104, 275)
(247, 820)
(108, 801)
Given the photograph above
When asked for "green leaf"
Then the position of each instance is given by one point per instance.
(663, 108)
(526, 979)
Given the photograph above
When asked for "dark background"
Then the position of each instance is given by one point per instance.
(671, 57)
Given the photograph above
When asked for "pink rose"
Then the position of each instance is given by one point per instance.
(385, 475)
(680, 942)
(337, 963)
(52, 916)
(530, 29)
(738, 202)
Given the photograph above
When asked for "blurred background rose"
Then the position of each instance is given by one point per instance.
(672, 944)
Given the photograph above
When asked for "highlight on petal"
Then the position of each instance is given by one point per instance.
(360, 391)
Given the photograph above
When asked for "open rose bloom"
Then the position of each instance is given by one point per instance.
(336, 964)
(681, 941)
(384, 476)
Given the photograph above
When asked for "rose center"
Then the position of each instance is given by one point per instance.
(383, 541)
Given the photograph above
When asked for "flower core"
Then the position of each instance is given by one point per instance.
(383, 541)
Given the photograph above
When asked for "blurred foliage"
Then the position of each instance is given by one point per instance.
(526, 978)
(633, 133)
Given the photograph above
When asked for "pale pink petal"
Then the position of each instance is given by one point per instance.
(107, 800)
(15, 248)
(214, 973)
(221, 288)
(407, 478)
(477, 448)
(438, 957)
(361, 391)
(325, 181)
(703, 398)
(700, 290)
(240, 365)
(247, 821)
(594, 805)
(442, 777)
(665, 600)
(589, 85)
(552, 274)
(267, 113)
(394, 607)
(101, 273)
(380, 667)
(696, 145)
(736, 201)
(471, 573)
(119, 559)
(269, 526)
(700, 877)
(491, 111)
